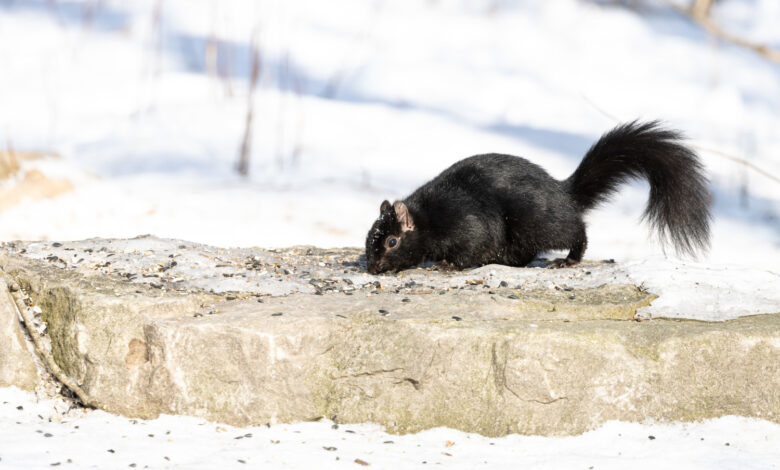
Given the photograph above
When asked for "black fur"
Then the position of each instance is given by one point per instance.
(503, 209)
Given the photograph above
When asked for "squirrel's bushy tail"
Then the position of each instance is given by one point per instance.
(679, 205)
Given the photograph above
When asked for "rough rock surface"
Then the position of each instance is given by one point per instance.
(247, 336)
(16, 364)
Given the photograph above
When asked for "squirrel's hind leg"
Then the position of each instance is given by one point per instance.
(575, 252)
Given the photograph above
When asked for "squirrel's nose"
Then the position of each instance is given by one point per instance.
(375, 267)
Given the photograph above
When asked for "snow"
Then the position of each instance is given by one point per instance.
(357, 102)
(37, 436)
(705, 291)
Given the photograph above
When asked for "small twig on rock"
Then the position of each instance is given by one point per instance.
(45, 355)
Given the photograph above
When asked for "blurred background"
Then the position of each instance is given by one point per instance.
(273, 123)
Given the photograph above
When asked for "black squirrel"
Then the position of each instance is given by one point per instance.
(503, 209)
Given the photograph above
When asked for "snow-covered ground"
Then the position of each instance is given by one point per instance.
(359, 101)
(36, 435)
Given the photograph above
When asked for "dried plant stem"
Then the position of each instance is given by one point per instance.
(739, 160)
(246, 142)
(699, 12)
(703, 148)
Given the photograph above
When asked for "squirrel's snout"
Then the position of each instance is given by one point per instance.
(372, 268)
(375, 267)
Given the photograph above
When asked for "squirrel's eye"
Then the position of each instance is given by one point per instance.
(392, 242)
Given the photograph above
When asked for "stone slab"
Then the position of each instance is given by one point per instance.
(250, 336)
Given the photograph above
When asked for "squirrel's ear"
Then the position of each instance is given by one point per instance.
(385, 205)
(403, 216)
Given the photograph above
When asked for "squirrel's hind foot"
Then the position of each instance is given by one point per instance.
(562, 263)
(445, 266)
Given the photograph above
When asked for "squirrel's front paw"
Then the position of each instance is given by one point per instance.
(445, 265)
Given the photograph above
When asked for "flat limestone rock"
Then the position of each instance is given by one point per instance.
(249, 336)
